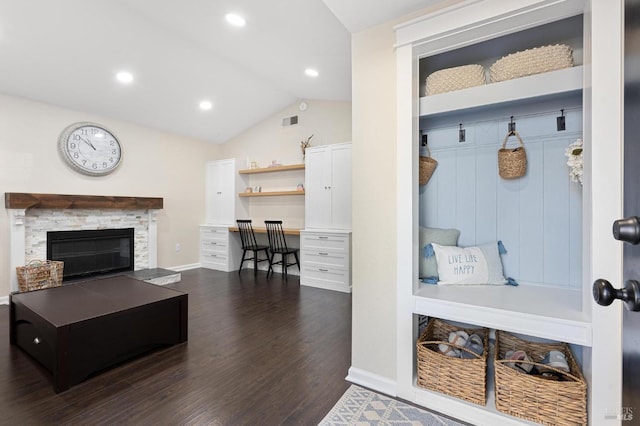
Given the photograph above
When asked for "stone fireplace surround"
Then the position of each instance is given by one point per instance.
(32, 215)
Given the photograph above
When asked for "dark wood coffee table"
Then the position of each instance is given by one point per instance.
(79, 329)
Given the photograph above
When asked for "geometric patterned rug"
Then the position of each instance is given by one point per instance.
(362, 407)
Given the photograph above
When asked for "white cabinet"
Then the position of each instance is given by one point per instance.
(325, 260)
(328, 187)
(219, 249)
(222, 187)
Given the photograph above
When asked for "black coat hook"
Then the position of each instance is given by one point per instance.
(512, 127)
(461, 134)
(561, 122)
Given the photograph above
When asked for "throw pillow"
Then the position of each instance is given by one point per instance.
(445, 237)
(470, 265)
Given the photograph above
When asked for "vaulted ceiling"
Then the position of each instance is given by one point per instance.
(179, 53)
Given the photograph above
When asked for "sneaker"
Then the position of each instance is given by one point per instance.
(449, 350)
(556, 359)
(458, 338)
(519, 356)
(475, 345)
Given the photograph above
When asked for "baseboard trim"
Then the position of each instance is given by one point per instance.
(372, 381)
(184, 267)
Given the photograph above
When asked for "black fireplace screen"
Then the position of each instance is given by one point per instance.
(92, 252)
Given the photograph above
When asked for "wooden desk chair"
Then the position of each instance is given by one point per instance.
(278, 245)
(249, 243)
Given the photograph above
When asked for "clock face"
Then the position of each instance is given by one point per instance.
(90, 149)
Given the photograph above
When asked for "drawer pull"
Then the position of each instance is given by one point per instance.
(323, 238)
(323, 270)
(36, 340)
(323, 254)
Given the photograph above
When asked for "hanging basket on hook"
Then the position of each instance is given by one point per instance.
(512, 162)
(427, 166)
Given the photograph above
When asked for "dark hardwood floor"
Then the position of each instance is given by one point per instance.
(260, 352)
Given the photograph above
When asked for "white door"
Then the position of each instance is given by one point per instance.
(220, 192)
(318, 182)
(340, 187)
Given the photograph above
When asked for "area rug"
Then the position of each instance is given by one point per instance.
(362, 407)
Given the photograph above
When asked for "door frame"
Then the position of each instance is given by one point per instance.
(604, 177)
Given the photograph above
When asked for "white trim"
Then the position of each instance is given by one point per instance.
(4, 300)
(16, 244)
(372, 381)
(152, 232)
(605, 181)
(185, 267)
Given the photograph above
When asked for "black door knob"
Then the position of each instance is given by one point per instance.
(627, 230)
(604, 294)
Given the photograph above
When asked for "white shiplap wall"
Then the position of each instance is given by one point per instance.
(538, 217)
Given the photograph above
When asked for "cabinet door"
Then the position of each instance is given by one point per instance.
(220, 196)
(340, 187)
(318, 181)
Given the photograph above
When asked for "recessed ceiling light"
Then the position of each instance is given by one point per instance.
(206, 105)
(235, 19)
(124, 77)
(311, 72)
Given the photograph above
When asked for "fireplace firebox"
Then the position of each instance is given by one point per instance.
(89, 253)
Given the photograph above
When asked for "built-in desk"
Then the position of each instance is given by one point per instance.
(258, 230)
(220, 247)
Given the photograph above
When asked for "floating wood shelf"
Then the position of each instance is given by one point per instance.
(272, 169)
(269, 194)
(17, 200)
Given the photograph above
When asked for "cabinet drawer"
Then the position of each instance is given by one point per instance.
(210, 257)
(326, 275)
(325, 241)
(207, 233)
(325, 259)
(213, 245)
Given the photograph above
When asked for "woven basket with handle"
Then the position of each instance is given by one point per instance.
(533, 397)
(458, 377)
(427, 166)
(512, 162)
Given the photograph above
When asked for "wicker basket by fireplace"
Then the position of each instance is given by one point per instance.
(38, 274)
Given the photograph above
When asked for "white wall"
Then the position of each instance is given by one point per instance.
(328, 121)
(374, 202)
(155, 164)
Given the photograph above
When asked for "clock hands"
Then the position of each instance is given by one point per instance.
(88, 143)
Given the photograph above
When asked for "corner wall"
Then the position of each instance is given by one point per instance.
(374, 204)
(374, 336)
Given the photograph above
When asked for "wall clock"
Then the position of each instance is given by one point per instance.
(90, 148)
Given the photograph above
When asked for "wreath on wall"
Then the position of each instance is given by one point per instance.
(574, 160)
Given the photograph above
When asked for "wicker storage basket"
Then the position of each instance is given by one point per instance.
(39, 274)
(461, 378)
(531, 61)
(427, 166)
(450, 79)
(512, 162)
(533, 397)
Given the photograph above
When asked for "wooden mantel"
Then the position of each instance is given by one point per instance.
(18, 200)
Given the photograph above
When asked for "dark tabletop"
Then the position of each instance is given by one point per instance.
(85, 300)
